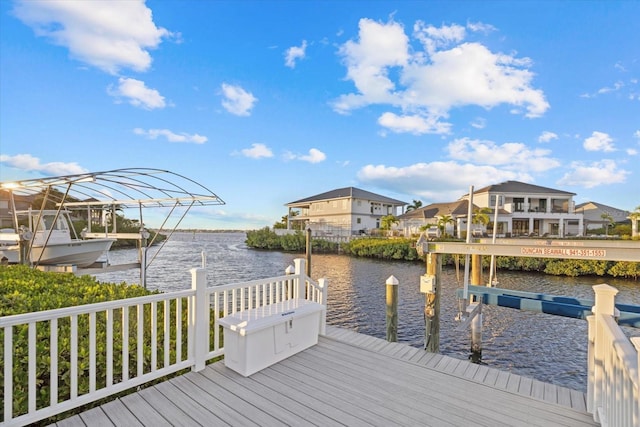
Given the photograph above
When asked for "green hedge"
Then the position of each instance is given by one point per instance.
(24, 290)
(404, 249)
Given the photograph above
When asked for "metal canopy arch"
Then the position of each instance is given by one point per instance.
(127, 188)
(119, 189)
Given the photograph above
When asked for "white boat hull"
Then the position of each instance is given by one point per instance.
(81, 253)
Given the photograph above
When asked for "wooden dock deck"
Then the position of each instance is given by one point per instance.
(348, 379)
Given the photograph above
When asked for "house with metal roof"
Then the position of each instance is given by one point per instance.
(342, 212)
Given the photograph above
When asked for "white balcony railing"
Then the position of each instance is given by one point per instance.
(613, 391)
(77, 355)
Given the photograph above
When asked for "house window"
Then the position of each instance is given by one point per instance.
(492, 203)
(518, 204)
(344, 205)
(358, 220)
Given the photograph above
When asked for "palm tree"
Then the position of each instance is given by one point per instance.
(443, 220)
(387, 221)
(608, 221)
(481, 216)
(416, 204)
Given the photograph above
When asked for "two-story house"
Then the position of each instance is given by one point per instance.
(344, 211)
(523, 210)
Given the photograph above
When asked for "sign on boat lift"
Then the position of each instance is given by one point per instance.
(96, 196)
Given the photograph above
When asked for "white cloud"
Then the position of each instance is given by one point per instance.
(108, 35)
(547, 136)
(171, 136)
(432, 38)
(257, 151)
(636, 135)
(314, 156)
(480, 27)
(510, 155)
(237, 100)
(428, 83)
(632, 152)
(414, 124)
(479, 123)
(616, 87)
(294, 53)
(137, 94)
(28, 163)
(436, 181)
(599, 141)
(592, 175)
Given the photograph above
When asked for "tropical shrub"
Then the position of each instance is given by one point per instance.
(25, 290)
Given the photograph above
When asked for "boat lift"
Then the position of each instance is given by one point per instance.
(124, 190)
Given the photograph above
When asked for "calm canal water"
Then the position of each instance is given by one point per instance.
(548, 348)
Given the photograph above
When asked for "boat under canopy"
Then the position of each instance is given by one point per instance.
(97, 196)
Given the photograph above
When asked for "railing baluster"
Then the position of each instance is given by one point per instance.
(167, 332)
(125, 343)
(92, 352)
(32, 366)
(216, 313)
(53, 365)
(8, 373)
(74, 356)
(154, 336)
(109, 349)
(178, 330)
(140, 339)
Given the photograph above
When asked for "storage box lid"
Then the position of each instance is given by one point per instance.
(256, 319)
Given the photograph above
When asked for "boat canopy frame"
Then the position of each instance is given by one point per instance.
(119, 189)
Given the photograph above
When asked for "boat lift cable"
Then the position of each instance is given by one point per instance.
(55, 220)
(170, 234)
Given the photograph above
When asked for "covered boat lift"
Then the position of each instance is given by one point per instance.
(102, 194)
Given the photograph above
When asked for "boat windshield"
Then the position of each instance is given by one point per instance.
(48, 223)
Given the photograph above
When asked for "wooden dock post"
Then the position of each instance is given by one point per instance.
(432, 302)
(476, 322)
(392, 309)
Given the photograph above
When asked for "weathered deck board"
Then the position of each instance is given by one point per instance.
(348, 379)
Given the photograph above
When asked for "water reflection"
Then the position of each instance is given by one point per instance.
(545, 347)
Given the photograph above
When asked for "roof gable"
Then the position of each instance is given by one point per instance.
(455, 209)
(518, 187)
(348, 192)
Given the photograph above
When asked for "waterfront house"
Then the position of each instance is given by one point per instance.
(595, 215)
(523, 210)
(342, 212)
(413, 221)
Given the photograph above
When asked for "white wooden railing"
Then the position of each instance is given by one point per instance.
(613, 390)
(77, 355)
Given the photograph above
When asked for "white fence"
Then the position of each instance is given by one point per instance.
(613, 391)
(77, 355)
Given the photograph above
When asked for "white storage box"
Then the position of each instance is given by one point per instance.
(257, 338)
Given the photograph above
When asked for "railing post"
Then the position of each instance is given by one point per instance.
(323, 285)
(299, 288)
(288, 272)
(636, 410)
(604, 306)
(199, 319)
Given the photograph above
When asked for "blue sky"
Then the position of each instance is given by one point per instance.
(268, 102)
